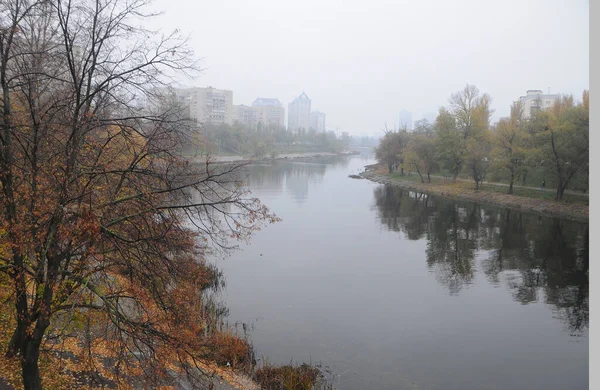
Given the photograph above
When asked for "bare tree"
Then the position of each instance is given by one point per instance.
(470, 110)
(472, 114)
(103, 218)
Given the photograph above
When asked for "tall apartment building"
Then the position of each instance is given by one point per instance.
(269, 113)
(406, 120)
(536, 100)
(299, 113)
(244, 115)
(208, 105)
(317, 121)
(264, 113)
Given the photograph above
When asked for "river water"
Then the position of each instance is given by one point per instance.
(396, 290)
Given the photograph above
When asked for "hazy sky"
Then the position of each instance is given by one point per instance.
(361, 62)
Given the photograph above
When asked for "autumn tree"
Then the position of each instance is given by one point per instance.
(103, 217)
(471, 111)
(561, 138)
(423, 126)
(450, 145)
(421, 154)
(391, 148)
(477, 160)
(509, 140)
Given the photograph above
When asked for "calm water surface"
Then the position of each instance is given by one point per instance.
(394, 290)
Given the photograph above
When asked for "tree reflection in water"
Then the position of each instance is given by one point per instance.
(538, 258)
(292, 176)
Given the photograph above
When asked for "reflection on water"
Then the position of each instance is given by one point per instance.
(537, 258)
(393, 289)
(293, 176)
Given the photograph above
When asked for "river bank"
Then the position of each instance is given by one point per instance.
(288, 156)
(550, 208)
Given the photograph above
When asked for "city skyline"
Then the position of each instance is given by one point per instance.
(271, 111)
(349, 61)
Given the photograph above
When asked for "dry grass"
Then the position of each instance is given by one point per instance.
(231, 349)
(288, 377)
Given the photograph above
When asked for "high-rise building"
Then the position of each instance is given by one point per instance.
(208, 105)
(299, 113)
(244, 115)
(264, 114)
(536, 100)
(269, 113)
(406, 120)
(317, 121)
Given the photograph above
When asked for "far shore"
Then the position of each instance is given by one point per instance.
(549, 208)
(287, 156)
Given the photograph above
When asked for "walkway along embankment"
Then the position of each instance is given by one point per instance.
(548, 208)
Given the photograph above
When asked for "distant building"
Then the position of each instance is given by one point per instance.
(245, 115)
(208, 105)
(266, 102)
(264, 114)
(536, 100)
(269, 113)
(406, 120)
(317, 121)
(299, 113)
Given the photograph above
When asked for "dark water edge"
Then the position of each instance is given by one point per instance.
(542, 207)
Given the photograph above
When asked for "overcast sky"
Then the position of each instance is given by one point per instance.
(361, 62)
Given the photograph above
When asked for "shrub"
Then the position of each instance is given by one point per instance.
(230, 348)
(287, 377)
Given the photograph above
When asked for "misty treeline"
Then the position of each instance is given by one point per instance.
(550, 147)
(103, 225)
(262, 141)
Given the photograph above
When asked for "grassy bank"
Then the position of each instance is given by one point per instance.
(465, 184)
(525, 199)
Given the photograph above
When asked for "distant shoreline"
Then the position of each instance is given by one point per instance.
(548, 208)
(287, 156)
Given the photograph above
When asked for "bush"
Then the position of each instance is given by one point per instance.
(288, 377)
(230, 348)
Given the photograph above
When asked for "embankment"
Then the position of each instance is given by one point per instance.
(549, 208)
(289, 156)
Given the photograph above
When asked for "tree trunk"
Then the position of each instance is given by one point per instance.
(512, 180)
(31, 372)
(419, 172)
(455, 175)
(16, 340)
(30, 353)
(390, 168)
(402, 171)
(428, 178)
(18, 337)
(475, 178)
(560, 191)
